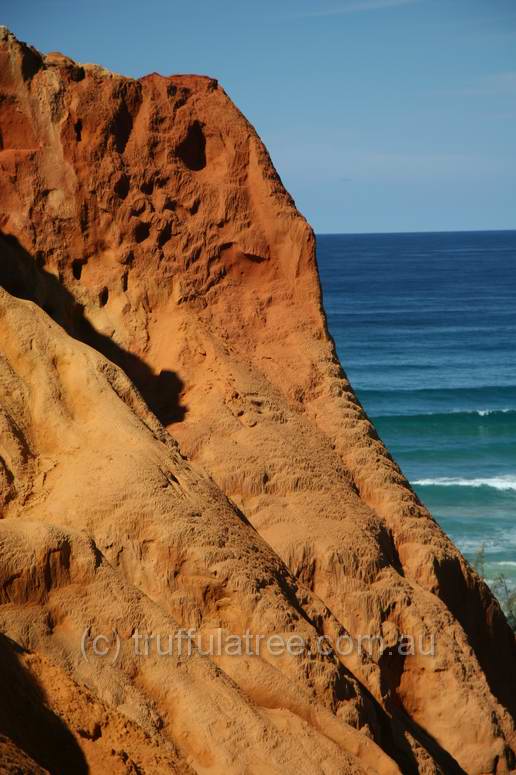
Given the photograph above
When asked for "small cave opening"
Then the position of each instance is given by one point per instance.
(121, 127)
(121, 187)
(165, 234)
(141, 231)
(192, 150)
(147, 187)
(169, 204)
(77, 128)
(103, 297)
(77, 265)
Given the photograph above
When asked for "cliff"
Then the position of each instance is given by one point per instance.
(180, 449)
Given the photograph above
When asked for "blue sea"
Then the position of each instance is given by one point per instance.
(425, 326)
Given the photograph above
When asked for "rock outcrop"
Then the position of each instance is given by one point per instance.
(180, 449)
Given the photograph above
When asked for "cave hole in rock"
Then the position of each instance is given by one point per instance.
(77, 128)
(121, 187)
(121, 127)
(103, 297)
(147, 187)
(141, 231)
(165, 234)
(77, 265)
(192, 150)
(169, 204)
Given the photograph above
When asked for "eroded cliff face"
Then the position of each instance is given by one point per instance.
(147, 242)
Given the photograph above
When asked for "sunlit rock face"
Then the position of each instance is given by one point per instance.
(180, 450)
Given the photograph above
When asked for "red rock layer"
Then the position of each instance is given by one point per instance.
(145, 231)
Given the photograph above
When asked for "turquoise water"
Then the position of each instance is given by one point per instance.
(425, 325)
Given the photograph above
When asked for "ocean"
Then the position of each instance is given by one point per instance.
(425, 326)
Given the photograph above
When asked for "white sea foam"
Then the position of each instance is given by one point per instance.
(487, 412)
(479, 412)
(447, 414)
(496, 482)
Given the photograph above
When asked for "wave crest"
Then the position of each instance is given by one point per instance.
(496, 482)
(454, 414)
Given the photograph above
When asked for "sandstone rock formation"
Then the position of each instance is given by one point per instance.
(180, 448)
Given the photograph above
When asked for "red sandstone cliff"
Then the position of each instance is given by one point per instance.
(147, 242)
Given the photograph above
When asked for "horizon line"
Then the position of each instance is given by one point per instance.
(421, 231)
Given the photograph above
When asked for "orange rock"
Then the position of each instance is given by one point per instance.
(146, 219)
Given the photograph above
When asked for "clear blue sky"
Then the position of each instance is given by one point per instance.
(380, 115)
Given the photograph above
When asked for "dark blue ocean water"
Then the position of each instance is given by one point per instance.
(425, 325)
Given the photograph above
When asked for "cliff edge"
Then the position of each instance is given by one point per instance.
(180, 450)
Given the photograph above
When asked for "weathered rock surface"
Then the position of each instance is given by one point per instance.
(147, 241)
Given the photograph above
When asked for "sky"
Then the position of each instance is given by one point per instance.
(379, 115)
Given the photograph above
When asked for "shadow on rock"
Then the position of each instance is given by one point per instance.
(26, 719)
(21, 276)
